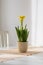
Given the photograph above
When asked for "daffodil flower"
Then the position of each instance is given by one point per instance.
(21, 20)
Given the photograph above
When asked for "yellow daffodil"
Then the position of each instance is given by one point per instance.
(21, 18)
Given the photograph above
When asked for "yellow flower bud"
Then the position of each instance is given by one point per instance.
(21, 18)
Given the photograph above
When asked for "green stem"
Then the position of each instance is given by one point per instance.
(22, 24)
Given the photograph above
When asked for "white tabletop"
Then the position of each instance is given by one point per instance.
(36, 59)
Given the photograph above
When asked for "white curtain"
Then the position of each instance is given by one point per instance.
(37, 23)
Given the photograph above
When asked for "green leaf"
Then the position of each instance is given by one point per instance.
(22, 34)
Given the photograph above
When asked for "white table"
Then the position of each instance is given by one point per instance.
(36, 59)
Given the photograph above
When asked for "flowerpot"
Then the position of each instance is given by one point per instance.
(23, 46)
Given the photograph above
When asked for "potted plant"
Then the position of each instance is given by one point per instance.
(22, 34)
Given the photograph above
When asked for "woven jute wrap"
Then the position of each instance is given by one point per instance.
(23, 46)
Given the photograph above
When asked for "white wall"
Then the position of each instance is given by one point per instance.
(37, 23)
(10, 10)
(34, 4)
(29, 20)
(39, 34)
(0, 15)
